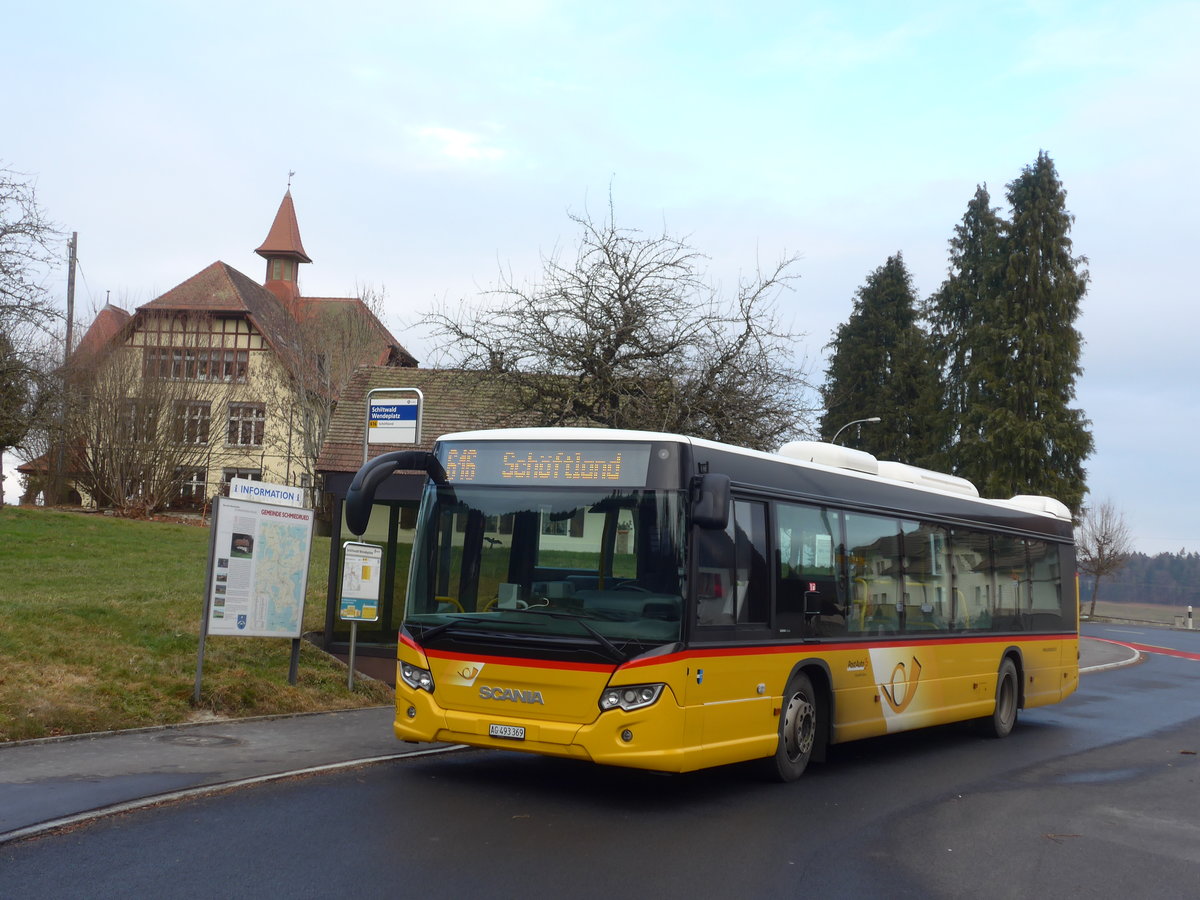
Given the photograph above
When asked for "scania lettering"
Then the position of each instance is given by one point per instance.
(488, 693)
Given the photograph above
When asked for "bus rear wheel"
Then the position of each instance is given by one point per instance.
(1004, 717)
(797, 729)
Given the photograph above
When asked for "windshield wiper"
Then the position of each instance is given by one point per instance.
(614, 652)
(438, 629)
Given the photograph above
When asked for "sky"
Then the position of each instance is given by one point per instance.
(434, 145)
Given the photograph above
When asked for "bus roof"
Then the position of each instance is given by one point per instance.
(803, 454)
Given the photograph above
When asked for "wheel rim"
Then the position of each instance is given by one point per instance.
(799, 727)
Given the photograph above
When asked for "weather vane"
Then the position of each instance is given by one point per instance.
(290, 174)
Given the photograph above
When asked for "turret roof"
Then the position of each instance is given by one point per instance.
(284, 237)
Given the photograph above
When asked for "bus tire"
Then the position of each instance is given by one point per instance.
(1004, 717)
(797, 729)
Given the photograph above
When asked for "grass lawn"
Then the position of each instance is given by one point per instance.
(100, 623)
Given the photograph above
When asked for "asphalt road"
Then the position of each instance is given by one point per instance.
(1094, 797)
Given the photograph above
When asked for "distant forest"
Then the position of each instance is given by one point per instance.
(1171, 579)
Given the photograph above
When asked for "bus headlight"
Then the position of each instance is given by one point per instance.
(416, 678)
(630, 696)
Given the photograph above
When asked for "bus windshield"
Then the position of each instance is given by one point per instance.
(601, 565)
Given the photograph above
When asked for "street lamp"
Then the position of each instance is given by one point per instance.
(848, 424)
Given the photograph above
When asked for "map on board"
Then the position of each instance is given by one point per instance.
(259, 569)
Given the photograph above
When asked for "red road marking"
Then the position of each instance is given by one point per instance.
(1150, 648)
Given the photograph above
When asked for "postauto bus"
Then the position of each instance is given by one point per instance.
(669, 603)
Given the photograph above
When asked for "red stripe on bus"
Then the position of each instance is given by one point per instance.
(809, 650)
(521, 661)
(817, 649)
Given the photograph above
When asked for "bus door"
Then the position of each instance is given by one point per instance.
(728, 693)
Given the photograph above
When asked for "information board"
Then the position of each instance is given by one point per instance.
(264, 492)
(361, 571)
(259, 569)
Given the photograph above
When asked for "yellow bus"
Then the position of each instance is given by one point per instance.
(670, 603)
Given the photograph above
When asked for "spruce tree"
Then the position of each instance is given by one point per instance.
(965, 304)
(1023, 437)
(880, 366)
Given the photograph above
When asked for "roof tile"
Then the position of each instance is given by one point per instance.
(284, 237)
(455, 400)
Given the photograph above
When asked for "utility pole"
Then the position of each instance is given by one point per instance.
(73, 255)
(53, 489)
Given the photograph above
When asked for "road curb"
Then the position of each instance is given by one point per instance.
(1136, 658)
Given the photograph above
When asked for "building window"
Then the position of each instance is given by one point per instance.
(246, 422)
(196, 364)
(138, 421)
(227, 475)
(193, 483)
(276, 266)
(191, 421)
(554, 525)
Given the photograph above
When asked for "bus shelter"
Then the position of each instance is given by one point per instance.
(454, 400)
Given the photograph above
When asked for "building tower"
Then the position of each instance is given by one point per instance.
(284, 253)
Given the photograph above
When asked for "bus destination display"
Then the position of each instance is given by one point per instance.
(559, 465)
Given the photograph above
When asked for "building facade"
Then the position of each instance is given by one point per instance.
(219, 377)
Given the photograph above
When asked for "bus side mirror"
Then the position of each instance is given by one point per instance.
(361, 494)
(710, 501)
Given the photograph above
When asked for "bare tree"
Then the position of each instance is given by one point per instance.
(29, 390)
(15, 399)
(28, 243)
(630, 334)
(329, 343)
(135, 435)
(1102, 544)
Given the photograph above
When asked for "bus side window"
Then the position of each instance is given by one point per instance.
(750, 547)
(927, 584)
(809, 594)
(973, 572)
(714, 577)
(1046, 590)
(733, 584)
(1012, 583)
(873, 546)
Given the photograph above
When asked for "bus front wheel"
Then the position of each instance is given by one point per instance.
(797, 729)
(1004, 717)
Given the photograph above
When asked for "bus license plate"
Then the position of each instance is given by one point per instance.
(512, 732)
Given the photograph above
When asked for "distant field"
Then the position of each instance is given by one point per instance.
(1141, 612)
(100, 623)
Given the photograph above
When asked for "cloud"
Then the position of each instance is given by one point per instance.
(461, 146)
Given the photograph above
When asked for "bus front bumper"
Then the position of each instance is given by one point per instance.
(649, 738)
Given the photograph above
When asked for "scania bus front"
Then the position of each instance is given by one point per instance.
(545, 597)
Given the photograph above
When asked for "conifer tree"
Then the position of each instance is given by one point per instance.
(880, 365)
(965, 304)
(1023, 436)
